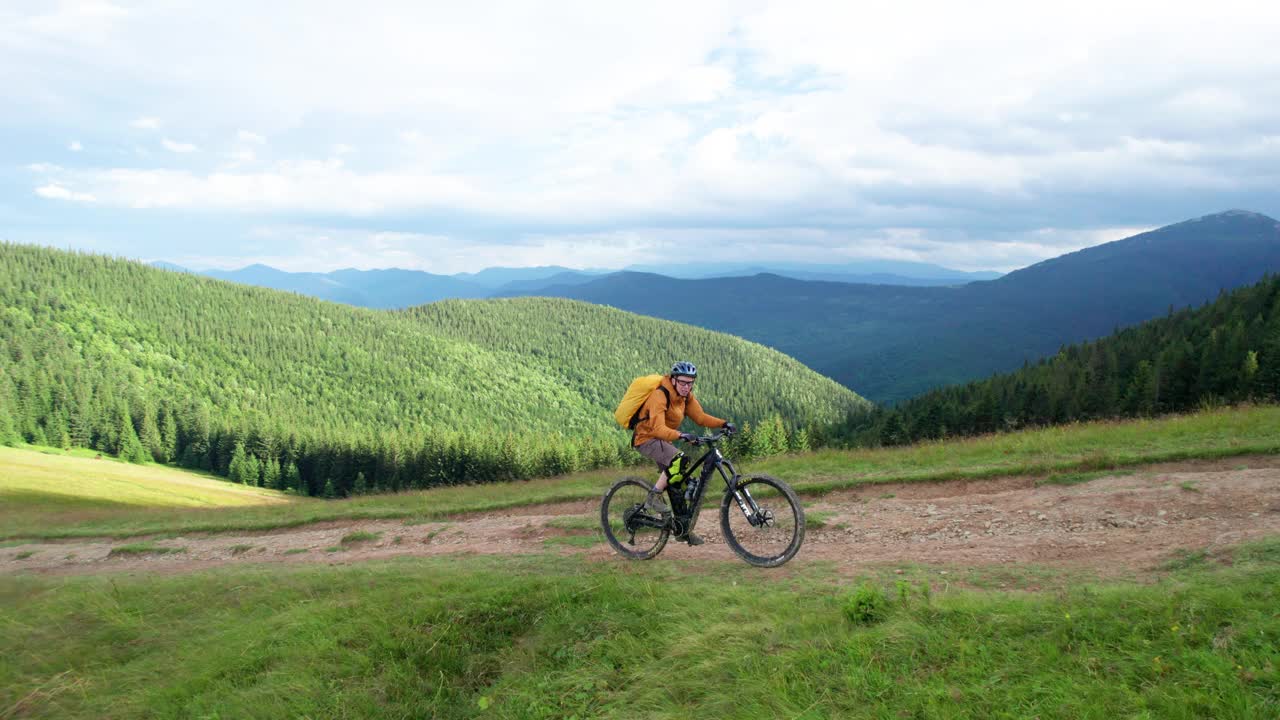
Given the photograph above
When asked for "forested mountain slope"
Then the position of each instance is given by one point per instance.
(113, 354)
(1224, 351)
(599, 350)
(890, 343)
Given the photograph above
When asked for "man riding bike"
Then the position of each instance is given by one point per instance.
(660, 418)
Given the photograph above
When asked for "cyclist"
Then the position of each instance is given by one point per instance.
(660, 418)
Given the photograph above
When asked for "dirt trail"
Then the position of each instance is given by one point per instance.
(1118, 525)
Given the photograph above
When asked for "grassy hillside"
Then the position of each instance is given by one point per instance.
(110, 354)
(47, 488)
(1065, 449)
(892, 343)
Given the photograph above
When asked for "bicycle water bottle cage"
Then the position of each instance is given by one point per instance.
(692, 490)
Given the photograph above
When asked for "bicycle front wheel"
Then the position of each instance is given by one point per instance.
(633, 531)
(762, 521)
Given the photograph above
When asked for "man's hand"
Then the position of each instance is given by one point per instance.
(689, 438)
(730, 428)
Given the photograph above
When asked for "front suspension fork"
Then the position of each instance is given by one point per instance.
(742, 496)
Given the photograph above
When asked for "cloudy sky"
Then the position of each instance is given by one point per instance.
(450, 136)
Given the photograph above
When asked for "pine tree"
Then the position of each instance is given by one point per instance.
(271, 474)
(893, 433)
(127, 444)
(150, 435)
(82, 416)
(1248, 374)
(360, 487)
(293, 479)
(168, 437)
(252, 471)
(8, 434)
(238, 470)
(1267, 381)
(800, 441)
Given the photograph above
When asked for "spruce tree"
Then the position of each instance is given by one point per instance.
(150, 435)
(237, 469)
(252, 471)
(168, 437)
(126, 438)
(8, 434)
(271, 474)
(293, 480)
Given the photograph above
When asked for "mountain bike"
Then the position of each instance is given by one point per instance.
(760, 516)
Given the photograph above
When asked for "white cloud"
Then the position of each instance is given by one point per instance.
(240, 158)
(313, 249)
(925, 117)
(57, 192)
(75, 146)
(178, 147)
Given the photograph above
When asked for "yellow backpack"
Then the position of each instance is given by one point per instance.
(628, 412)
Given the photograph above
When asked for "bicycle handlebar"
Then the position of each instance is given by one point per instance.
(712, 439)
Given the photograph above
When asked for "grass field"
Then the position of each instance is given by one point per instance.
(546, 636)
(1068, 449)
(42, 487)
(550, 637)
(87, 480)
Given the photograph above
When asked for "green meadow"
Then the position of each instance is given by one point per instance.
(549, 636)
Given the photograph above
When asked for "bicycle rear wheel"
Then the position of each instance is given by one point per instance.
(771, 530)
(634, 532)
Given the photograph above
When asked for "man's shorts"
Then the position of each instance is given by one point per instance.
(659, 451)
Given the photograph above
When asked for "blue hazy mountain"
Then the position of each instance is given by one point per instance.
(396, 288)
(891, 342)
(870, 272)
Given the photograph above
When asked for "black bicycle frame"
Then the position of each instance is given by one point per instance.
(711, 462)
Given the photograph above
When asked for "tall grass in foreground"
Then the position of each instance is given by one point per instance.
(556, 638)
(1071, 448)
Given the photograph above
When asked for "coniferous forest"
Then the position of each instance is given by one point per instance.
(1226, 351)
(280, 390)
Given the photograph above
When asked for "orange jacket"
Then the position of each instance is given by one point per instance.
(660, 419)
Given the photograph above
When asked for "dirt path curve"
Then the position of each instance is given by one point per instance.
(1125, 524)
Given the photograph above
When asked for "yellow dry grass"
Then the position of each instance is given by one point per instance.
(51, 478)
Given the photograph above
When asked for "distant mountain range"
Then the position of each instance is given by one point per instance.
(920, 327)
(890, 343)
(395, 288)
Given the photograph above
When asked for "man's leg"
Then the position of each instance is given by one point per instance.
(661, 485)
(654, 502)
(661, 453)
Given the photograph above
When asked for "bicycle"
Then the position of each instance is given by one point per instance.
(760, 517)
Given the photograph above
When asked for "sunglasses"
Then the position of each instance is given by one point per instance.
(685, 382)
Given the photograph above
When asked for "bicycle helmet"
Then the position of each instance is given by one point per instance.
(684, 368)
